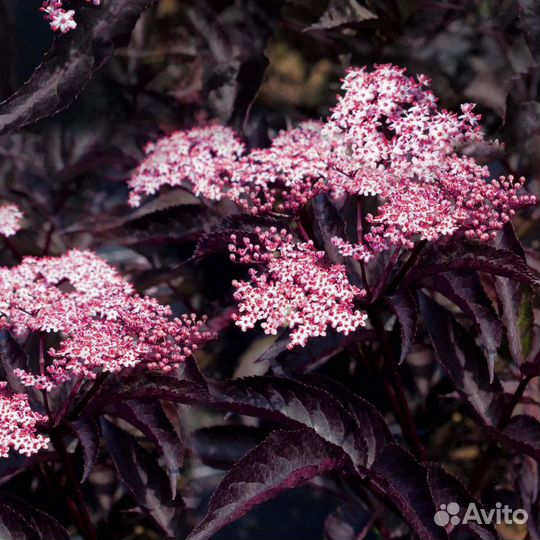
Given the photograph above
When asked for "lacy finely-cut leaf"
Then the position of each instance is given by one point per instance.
(143, 477)
(282, 461)
(87, 431)
(19, 521)
(463, 361)
(515, 301)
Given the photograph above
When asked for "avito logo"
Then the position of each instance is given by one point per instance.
(450, 514)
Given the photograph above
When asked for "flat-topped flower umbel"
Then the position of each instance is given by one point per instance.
(385, 138)
(18, 425)
(389, 139)
(103, 324)
(200, 159)
(386, 147)
(297, 289)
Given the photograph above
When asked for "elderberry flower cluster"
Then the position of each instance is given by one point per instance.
(10, 219)
(390, 140)
(18, 425)
(285, 176)
(386, 138)
(297, 289)
(201, 159)
(102, 323)
(212, 162)
(60, 19)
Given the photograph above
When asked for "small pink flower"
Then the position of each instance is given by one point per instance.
(285, 176)
(10, 219)
(63, 21)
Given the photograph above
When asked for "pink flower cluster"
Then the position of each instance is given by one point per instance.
(210, 161)
(285, 176)
(18, 425)
(61, 20)
(386, 137)
(10, 219)
(296, 289)
(103, 324)
(390, 140)
(201, 159)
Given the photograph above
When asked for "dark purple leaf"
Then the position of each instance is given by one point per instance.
(71, 62)
(445, 489)
(528, 487)
(515, 301)
(530, 25)
(317, 351)
(12, 357)
(348, 522)
(152, 386)
(87, 431)
(218, 238)
(522, 118)
(15, 464)
(405, 481)
(328, 223)
(341, 13)
(13, 526)
(151, 420)
(282, 461)
(232, 53)
(368, 419)
(222, 446)
(465, 365)
(517, 316)
(463, 361)
(179, 224)
(143, 477)
(471, 257)
(467, 293)
(189, 371)
(295, 404)
(403, 305)
(523, 434)
(19, 521)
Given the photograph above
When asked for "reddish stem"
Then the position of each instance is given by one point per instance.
(43, 372)
(67, 404)
(396, 392)
(78, 507)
